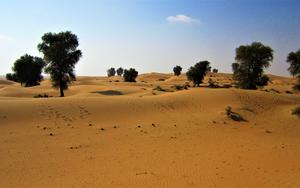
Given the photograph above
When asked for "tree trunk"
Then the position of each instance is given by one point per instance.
(61, 89)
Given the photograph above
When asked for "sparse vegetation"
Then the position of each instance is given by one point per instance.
(196, 73)
(296, 111)
(61, 54)
(41, 96)
(233, 115)
(177, 70)
(249, 68)
(215, 70)
(158, 88)
(294, 60)
(130, 75)
(111, 72)
(180, 87)
(27, 70)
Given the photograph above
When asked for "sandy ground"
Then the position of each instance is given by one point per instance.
(107, 133)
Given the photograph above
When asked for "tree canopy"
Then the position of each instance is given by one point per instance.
(120, 71)
(130, 75)
(251, 62)
(61, 54)
(111, 72)
(294, 60)
(177, 70)
(197, 72)
(27, 70)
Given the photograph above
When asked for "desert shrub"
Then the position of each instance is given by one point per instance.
(41, 96)
(212, 83)
(197, 72)
(120, 71)
(215, 70)
(233, 115)
(296, 111)
(288, 92)
(180, 87)
(130, 75)
(294, 60)
(111, 72)
(177, 70)
(251, 62)
(158, 88)
(12, 77)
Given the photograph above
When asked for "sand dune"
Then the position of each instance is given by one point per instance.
(107, 133)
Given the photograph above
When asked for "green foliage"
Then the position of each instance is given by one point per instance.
(111, 72)
(61, 54)
(177, 70)
(120, 71)
(251, 62)
(294, 60)
(12, 77)
(197, 72)
(27, 70)
(130, 75)
(296, 111)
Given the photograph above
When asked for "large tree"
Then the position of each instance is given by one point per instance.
(251, 62)
(197, 72)
(61, 54)
(294, 60)
(27, 70)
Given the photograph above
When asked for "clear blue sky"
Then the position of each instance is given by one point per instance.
(151, 35)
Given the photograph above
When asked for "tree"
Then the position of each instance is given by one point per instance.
(12, 77)
(61, 54)
(215, 70)
(130, 75)
(27, 70)
(294, 60)
(251, 62)
(177, 70)
(197, 72)
(120, 71)
(111, 72)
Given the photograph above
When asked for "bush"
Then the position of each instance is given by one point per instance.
(215, 70)
(130, 75)
(296, 111)
(233, 115)
(41, 96)
(111, 72)
(12, 77)
(197, 72)
(177, 70)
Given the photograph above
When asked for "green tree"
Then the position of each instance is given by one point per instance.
(111, 72)
(27, 70)
(294, 60)
(252, 59)
(197, 72)
(61, 54)
(120, 71)
(130, 75)
(177, 70)
(215, 70)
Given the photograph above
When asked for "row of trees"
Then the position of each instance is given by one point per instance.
(60, 55)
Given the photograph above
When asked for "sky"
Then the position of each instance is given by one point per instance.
(151, 35)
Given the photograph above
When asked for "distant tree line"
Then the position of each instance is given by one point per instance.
(60, 55)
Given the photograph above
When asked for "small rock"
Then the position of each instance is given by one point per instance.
(102, 129)
(51, 134)
(268, 131)
(214, 122)
(115, 127)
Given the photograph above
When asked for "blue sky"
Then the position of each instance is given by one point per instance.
(151, 35)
